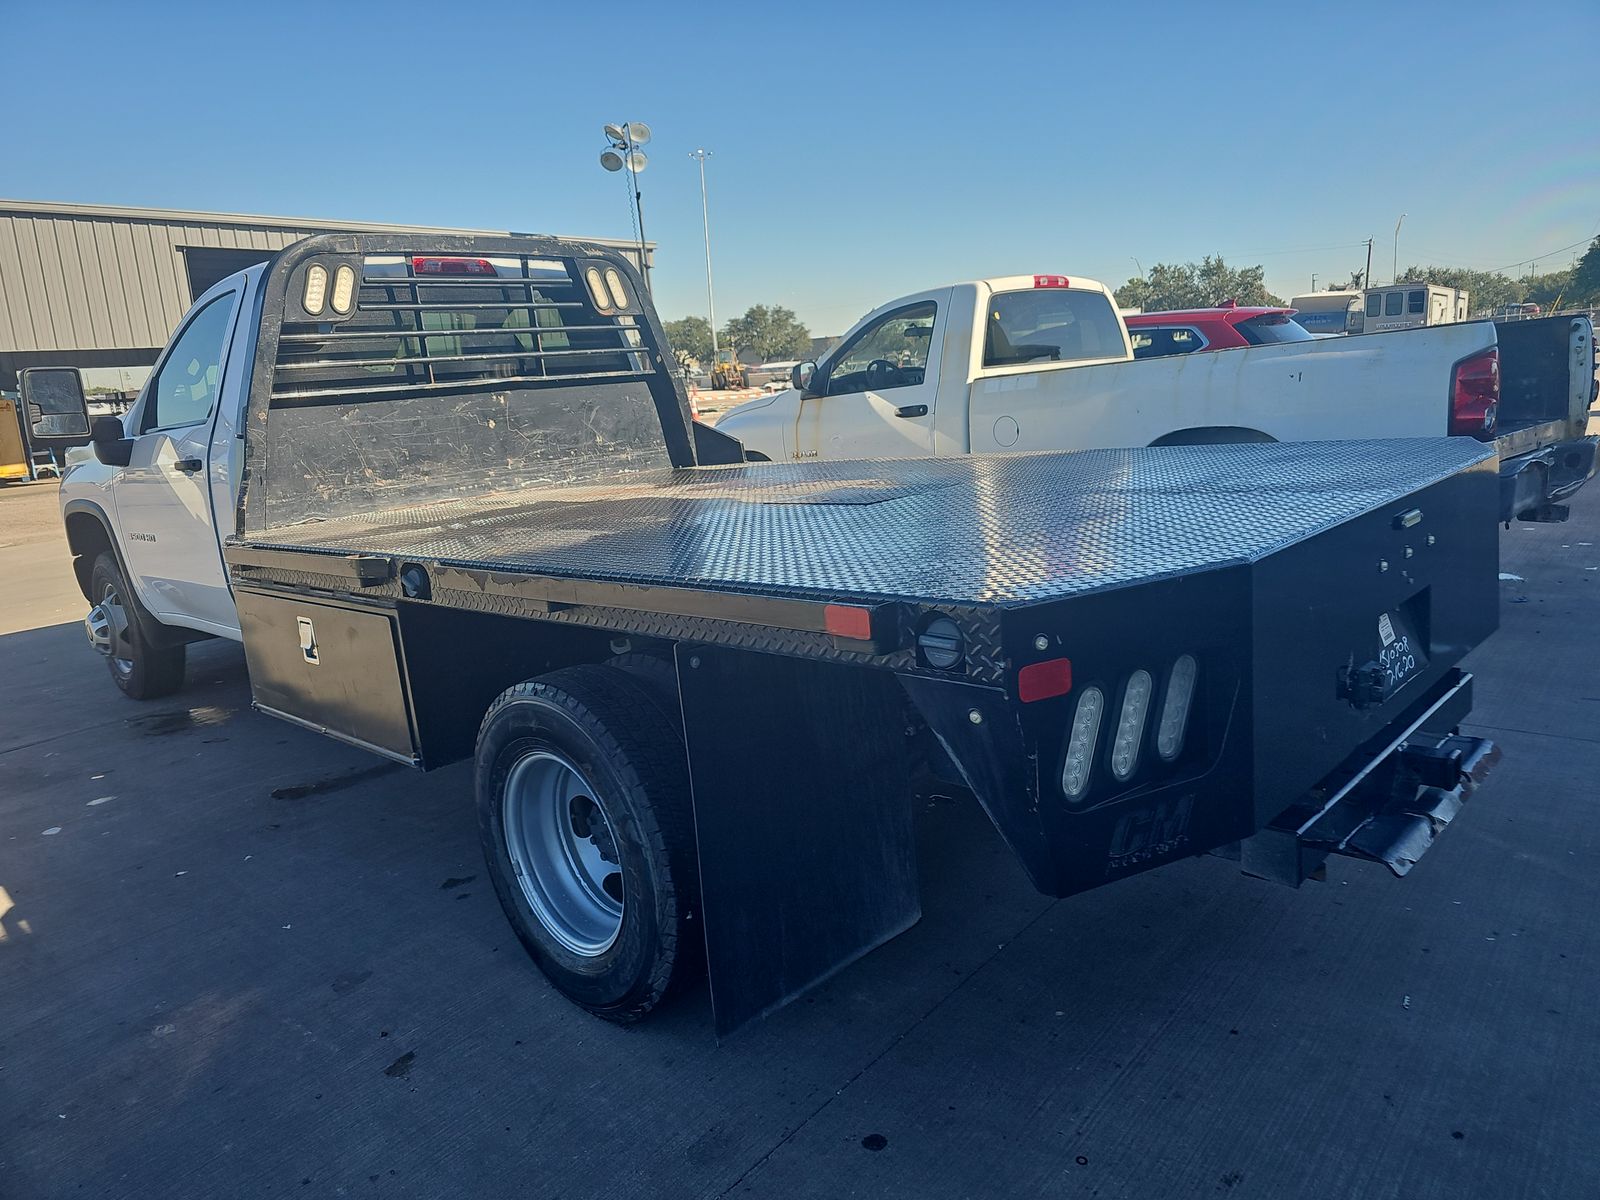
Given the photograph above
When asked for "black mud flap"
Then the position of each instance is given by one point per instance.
(803, 820)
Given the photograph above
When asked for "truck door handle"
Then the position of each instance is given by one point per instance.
(188, 465)
(912, 410)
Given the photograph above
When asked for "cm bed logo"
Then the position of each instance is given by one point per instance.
(1150, 833)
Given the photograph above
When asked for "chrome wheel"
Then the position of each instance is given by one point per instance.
(107, 627)
(563, 852)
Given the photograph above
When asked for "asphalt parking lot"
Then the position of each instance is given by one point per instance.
(238, 959)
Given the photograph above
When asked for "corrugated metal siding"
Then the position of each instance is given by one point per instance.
(91, 283)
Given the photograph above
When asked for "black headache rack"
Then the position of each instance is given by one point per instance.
(1128, 656)
(393, 368)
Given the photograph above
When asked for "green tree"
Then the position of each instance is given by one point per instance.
(1586, 276)
(690, 336)
(773, 333)
(1196, 285)
(1551, 290)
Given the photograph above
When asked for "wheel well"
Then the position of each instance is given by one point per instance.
(1212, 435)
(87, 538)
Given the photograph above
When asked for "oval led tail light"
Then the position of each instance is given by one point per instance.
(1081, 742)
(1130, 725)
(316, 297)
(344, 289)
(1175, 708)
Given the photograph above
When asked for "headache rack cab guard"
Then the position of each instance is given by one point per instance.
(478, 520)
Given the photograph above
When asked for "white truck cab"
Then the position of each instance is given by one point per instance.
(149, 523)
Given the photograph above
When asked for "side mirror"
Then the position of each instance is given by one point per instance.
(801, 375)
(58, 415)
(110, 447)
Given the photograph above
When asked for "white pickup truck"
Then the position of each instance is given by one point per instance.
(1043, 362)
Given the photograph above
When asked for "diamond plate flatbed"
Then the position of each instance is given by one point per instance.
(974, 531)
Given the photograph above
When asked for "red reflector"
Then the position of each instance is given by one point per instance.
(846, 620)
(1042, 680)
(1051, 281)
(452, 266)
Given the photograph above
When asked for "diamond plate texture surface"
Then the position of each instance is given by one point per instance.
(1003, 530)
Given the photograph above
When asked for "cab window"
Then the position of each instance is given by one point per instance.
(1392, 302)
(892, 352)
(1050, 325)
(186, 388)
(1374, 305)
(1416, 301)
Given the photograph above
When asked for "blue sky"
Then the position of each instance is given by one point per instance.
(859, 151)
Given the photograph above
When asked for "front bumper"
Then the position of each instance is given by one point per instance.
(1533, 485)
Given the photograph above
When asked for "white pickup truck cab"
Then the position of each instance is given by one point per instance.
(183, 440)
(1043, 362)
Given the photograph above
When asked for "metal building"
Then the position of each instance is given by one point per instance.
(96, 286)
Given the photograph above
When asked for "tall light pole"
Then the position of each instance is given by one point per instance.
(700, 155)
(1394, 266)
(624, 154)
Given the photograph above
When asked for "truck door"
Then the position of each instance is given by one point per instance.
(163, 499)
(878, 397)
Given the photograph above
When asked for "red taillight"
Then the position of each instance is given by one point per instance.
(1051, 281)
(431, 265)
(1475, 395)
(1043, 680)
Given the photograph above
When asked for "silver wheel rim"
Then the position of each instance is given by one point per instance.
(107, 627)
(564, 852)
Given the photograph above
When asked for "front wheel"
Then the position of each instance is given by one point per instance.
(583, 807)
(142, 670)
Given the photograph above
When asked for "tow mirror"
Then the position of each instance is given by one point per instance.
(801, 375)
(57, 413)
(110, 446)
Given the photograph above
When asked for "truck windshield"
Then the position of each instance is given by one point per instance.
(1050, 325)
(1272, 327)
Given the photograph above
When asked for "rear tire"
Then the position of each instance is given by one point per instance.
(583, 808)
(142, 670)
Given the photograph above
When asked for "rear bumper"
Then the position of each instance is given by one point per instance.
(1388, 803)
(1533, 485)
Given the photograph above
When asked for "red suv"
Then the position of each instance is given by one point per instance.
(1183, 331)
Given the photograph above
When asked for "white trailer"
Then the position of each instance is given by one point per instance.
(1412, 305)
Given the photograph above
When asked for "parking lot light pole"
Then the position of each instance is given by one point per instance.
(1394, 266)
(700, 155)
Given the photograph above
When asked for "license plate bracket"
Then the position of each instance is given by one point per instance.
(1400, 656)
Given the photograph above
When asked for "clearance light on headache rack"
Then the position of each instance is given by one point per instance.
(1081, 742)
(316, 294)
(619, 294)
(597, 288)
(344, 289)
(1051, 281)
(436, 265)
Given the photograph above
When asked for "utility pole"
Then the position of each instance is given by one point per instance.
(700, 155)
(1394, 266)
(634, 163)
(1366, 278)
(1313, 281)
